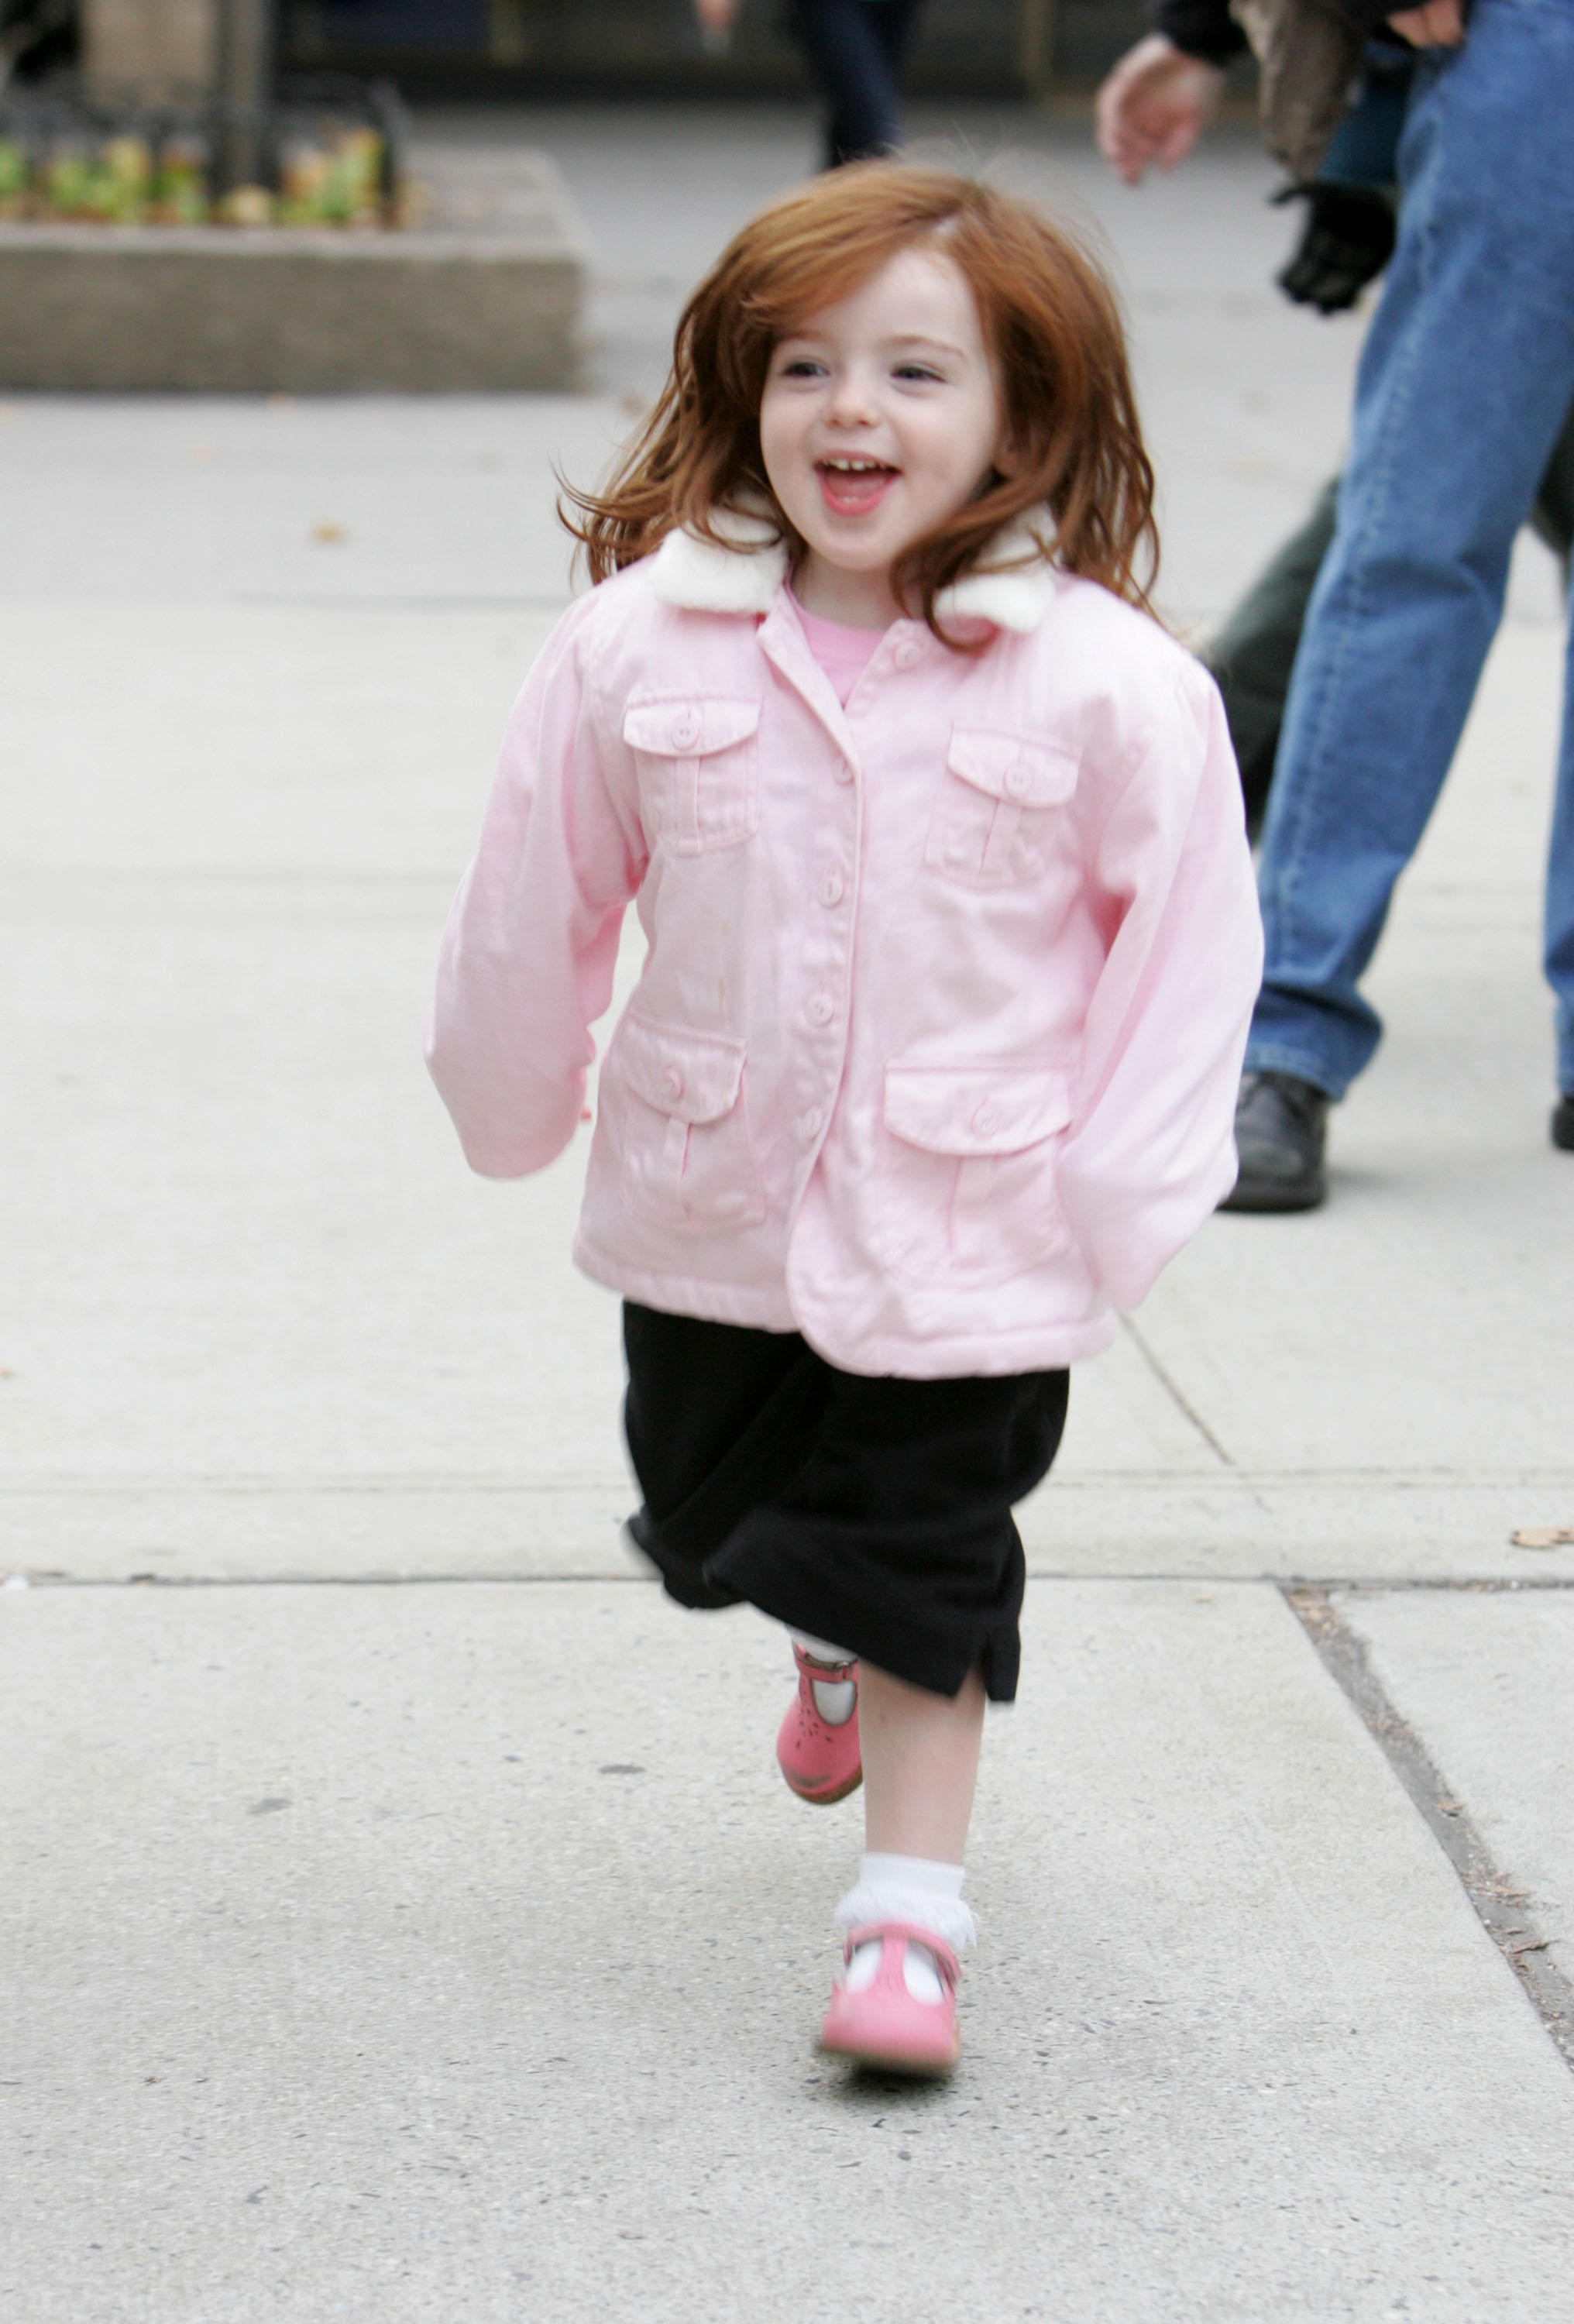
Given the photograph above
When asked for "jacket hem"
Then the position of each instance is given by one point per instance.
(981, 1352)
(981, 1355)
(756, 1307)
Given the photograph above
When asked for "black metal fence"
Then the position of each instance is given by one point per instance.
(326, 152)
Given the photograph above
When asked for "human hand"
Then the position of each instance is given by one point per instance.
(1156, 104)
(1439, 24)
(717, 18)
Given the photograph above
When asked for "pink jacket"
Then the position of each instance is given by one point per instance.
(934, 1053)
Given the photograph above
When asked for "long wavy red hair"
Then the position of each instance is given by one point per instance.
(1055, 336)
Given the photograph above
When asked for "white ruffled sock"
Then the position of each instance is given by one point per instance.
(835, 1697)
(912, 1888)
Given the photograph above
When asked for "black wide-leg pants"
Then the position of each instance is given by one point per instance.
(874, 1512)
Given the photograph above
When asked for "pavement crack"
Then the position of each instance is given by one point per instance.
(1173, 1390)
(1498, 1903)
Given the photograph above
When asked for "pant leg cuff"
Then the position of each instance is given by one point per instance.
(1276, 1057)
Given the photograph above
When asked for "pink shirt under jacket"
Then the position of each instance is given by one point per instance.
(934, 1053)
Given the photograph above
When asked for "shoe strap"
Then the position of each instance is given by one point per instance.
(908, 1933)
(828, 1673)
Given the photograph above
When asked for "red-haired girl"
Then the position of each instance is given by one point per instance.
(936, 842)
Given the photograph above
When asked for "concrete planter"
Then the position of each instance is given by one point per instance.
(433, 309)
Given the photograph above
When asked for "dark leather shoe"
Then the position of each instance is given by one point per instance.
(1563, 1122)
(1279, 1124)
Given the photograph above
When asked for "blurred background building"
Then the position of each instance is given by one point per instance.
(588, 47)
(508, 50)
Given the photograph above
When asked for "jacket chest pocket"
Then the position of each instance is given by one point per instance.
(966, 1169)
(697, 757)
(992, 821)
(687, 1161)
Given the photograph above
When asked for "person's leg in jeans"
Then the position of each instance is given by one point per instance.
(1464, 384)
(894, 23)
(856, 48)
(1252, 653)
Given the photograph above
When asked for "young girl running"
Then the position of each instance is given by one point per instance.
(936, 842)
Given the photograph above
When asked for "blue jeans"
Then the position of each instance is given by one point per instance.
(856, 48)
(1464, 382)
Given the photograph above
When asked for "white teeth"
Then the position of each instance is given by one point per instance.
(854, 467)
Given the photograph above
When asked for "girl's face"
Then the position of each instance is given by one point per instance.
(880, 419)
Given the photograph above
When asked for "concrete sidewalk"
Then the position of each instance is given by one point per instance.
(401, 1913)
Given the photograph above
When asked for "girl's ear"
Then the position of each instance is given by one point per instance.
(1009, 453)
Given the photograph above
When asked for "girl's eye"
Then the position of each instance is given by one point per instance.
(801, 367)
(916, 371)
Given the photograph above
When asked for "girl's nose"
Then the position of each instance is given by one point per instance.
(852, 402)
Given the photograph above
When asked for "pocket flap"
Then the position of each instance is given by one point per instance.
(995, 1109)
(691, 1076)
(689, 726)
(1011, 767)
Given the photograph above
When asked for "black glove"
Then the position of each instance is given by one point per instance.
(1347, 238)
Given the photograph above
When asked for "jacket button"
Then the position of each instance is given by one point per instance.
(1018, 781)
(843, 771)
(986, 1121)
(812, 1123)
(820, 1008)
(672, 1083)
(685, 730)
(833, 888)
(908, 653)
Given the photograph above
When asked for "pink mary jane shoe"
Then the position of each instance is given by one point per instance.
(882, 2024)
(821, 1762)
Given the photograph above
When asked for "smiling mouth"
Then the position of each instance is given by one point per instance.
(852, 486)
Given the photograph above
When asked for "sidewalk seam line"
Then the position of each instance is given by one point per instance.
(1498, 1903)
(56, 1577)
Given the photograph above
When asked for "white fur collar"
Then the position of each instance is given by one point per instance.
(1014, 590)
(1011, 592)
(743, 578)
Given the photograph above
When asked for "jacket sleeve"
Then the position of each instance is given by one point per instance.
(1200, 28)
(1208, 28)
(1151, 1150)
(527, 959)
